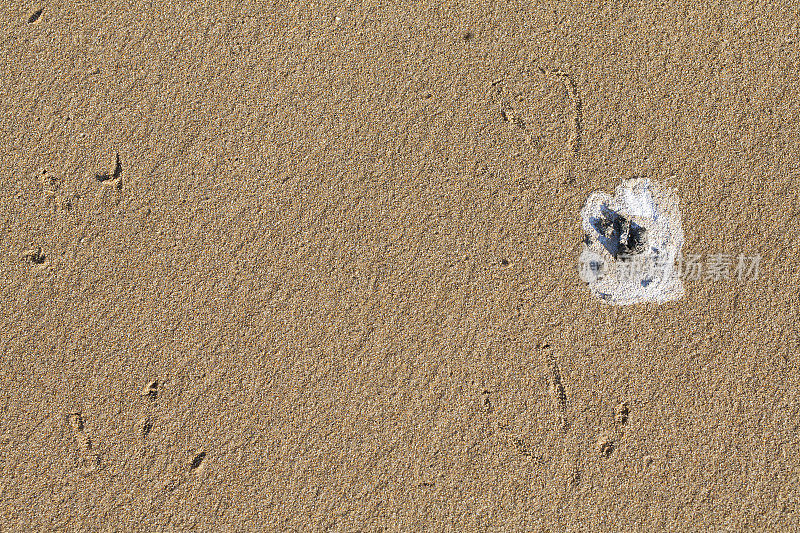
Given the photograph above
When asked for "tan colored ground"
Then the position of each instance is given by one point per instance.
(343, 243)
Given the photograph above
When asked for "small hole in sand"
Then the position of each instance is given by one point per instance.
(35, 16)
(197, 461)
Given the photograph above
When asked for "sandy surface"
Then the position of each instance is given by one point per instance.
(333, 282)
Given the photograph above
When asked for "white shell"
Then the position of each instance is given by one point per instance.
(648, 274)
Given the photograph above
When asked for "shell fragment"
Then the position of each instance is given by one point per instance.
(632, 242)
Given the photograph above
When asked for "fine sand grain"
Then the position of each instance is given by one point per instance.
(314, 266)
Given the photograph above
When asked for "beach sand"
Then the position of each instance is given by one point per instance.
(332, 283)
